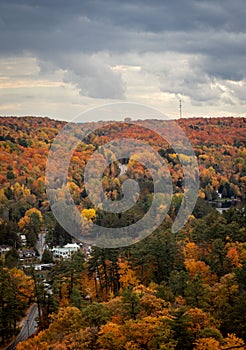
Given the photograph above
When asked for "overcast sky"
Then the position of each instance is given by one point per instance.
(59, 57)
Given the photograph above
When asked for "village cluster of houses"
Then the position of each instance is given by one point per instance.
(22, 253)
(64, 252)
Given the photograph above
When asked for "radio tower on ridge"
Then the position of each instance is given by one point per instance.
(180, 109)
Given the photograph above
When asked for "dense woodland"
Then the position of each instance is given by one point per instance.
(169, 291)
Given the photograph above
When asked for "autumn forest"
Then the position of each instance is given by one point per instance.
(171, 291)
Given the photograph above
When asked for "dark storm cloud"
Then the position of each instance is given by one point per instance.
(56, 30)
(119, 25)
(150, 16)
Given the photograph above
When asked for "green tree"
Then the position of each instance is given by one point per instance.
(9, 313)
(217, 257)
(67, 273)
(179, 324)
(10, 175)
(196, 293)
(160, 253)
(177, 282)
(95, 315)
(103, 266)
(131, 302)
(11, 258)
(47, 257)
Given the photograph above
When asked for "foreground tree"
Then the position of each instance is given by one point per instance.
(31, 225)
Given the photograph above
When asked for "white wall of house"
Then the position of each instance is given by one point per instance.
(66, 251)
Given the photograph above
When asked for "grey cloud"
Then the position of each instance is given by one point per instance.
(95, 78)
(118, 26)
(149, 16)
(185, 77)
(212, 35)
(238, 90)
(201, 87)
(90, 74)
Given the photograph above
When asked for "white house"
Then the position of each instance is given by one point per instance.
(66, 251)
(219, 194)
(26, 253)
(22, 239)
(5, 249)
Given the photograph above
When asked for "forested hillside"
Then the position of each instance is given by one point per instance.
(218, 142)
(179, 291)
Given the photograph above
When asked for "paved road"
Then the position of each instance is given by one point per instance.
(123, 169)
(29, 327)
(41, 244)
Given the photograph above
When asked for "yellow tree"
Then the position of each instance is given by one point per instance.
(153, 306)
(199, 320)
(31, 225)
(88, 215)
(75, 191)
(36, 343)
(200, 267)
(191, 251)
(25, 286)
(224, 292)
(141, 331)
(31, 217)
(207, 344)
(149, 333)
(128, 277)
(67, 320)
(231, 341)
(65, 324)
(111, 337)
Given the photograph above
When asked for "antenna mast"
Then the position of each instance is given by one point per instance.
(180, 109)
